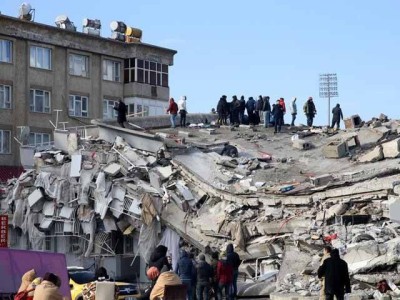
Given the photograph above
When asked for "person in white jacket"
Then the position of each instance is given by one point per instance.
(293, 110)
(182, 111)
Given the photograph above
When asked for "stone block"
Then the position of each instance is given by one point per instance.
(321, 180)
(394, 209)
(335, 149)
(301, 144)
(353, 122)
(391, 149)
(112, 169)
(372, 156)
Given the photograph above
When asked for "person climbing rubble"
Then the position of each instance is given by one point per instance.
(337, 279)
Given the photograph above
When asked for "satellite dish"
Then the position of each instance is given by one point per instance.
(118, 26)
(25, 11)
(63, 22)
(62, 19)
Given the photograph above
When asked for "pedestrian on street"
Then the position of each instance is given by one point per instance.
(182, 111)
(277, 112)
(266, 111)
(186, 270)
(242, 108)
(293, 110)
(337, 115)
(251, 107)
(234, 260)
(337, 279)
(120, 107)
(204, 278)
(224, 277)
(326, 254)
(173, 111)
(310, 111)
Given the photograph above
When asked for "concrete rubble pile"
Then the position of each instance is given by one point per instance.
(279, 202)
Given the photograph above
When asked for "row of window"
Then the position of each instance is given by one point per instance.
(135, 70)
(35, 139)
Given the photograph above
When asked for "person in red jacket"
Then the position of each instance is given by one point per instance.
(173, 111)
(224, 277)
(283, 105)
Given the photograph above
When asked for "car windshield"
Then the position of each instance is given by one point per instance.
(82, 277)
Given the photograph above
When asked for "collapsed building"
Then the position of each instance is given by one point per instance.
(279, 202)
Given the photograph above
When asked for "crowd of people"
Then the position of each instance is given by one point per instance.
(203, 278)
(262, 111)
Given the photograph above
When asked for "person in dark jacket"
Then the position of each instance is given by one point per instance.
(121, 109)
(214, 281)
(222, 110)
(278, 116)
(337, 115)
(251, 107)
(266, 111)
(186, 271)
(233, 258)
(337, 279)
(242, 108)
(283, 105)
(230, 151)
(159, 258)
(173, 111)
(235, 111)
(224, 277)
(310, 111)
(258, 111)
(204, 277)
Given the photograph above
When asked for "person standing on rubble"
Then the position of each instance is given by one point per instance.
(186, 271)
(337, 279)
(283, 105)
(266, 111)
(182, 111)
(242, 108)
(293, 110)
(173, 111)
(224, 277)
(277, 112)
(326, 254)
(234, 260)
(120, 107)
(259, 109)
(310, 111)
(251, 107)
(204, 276)
(235, 111)
(337, 115)
(222, 110)
(214, 282)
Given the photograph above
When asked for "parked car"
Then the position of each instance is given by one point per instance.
(78, 277)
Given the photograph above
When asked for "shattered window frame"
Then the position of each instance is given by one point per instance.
(111, 70)
(5, 141)
(78, 65)
(78, 106)
(5, 96)
(6, 51)
(40, 57)
(40, 101)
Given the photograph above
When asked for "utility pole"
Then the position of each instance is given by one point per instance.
(328, 89)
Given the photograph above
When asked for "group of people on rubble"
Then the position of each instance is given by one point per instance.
(270, 114)
(211, 275)
(36, 288)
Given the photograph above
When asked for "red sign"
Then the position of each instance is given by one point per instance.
(3, 231)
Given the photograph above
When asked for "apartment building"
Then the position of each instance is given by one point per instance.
(53, 74)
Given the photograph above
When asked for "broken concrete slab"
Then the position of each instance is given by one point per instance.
(335, 149)
(112, 169)
(353, 122)
(372, 156)
(301, 144)
(321, 180)
(394, 209)
(35, 197)
(76, 164)
(391, 149)
(185, 134)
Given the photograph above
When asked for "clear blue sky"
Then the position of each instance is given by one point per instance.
(268, 47)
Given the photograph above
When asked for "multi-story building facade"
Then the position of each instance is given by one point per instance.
(45, 68)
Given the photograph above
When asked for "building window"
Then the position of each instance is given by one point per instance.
(40, 57)
(39, 139)
(5, 141)
(78, 106)
(108, 109)
(128, 244)
(143, 71)
(39, 101)
(131, 108)
(5, 51)
(79, 65)
(5, 96)
(111, 70)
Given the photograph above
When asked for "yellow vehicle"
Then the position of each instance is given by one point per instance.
(78, 277)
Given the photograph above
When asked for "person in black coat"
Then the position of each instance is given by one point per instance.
(336, 273)
(159, 258)
(222, 110)
(242, 108)
(277, 112)
(121, 109)
(337, 116)
(233, 259)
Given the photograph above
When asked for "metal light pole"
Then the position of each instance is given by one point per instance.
(328, 89)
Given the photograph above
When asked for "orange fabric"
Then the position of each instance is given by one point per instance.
(26, 280)
(166, 278)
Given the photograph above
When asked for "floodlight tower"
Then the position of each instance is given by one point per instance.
(328, 88)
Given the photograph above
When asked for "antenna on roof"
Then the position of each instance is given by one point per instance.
(91, 27)
(26, 12)
(63, 22)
